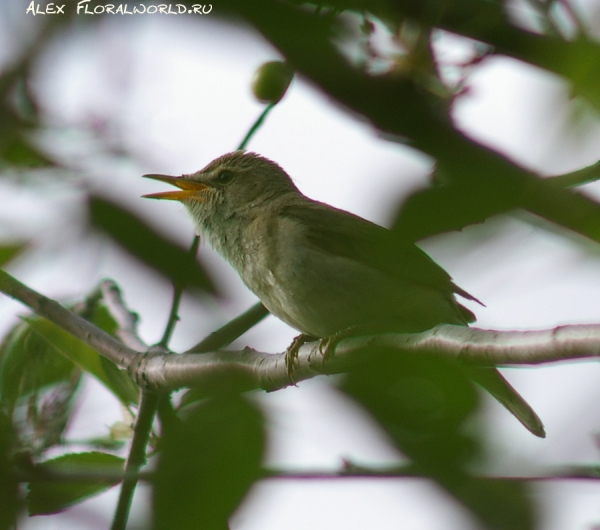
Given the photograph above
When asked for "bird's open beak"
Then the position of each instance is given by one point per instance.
(188, 188)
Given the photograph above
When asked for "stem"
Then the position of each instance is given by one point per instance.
(232, 330)
(136, 458)
(256, 125)
(149, 405)
(177, 292)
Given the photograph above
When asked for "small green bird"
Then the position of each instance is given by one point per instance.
(323, 270)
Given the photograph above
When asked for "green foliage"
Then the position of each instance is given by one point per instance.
(479, 182)
(37, 387)
(9, 485)
(19, 118)
(208, 463)
(52, 490)
(8, 252)
(422, 403)
(81, 355)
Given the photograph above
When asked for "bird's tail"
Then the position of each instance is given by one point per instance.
(501, 389)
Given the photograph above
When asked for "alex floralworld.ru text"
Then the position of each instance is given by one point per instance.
(84, 8)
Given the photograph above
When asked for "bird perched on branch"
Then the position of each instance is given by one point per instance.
(323, 271)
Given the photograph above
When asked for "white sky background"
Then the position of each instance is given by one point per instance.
(174, 92)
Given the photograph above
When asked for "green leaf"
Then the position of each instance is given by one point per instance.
(208, 463)
(37, 388)
(104, 320)
(8, 252)
(144, 243)
(29, 363)
(9, 487)
(88, 359)
(50, 494)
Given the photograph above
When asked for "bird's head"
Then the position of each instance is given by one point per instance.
(229, 186)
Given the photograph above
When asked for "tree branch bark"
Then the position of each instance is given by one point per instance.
(249, 369)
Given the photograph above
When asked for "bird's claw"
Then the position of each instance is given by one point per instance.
(291, 354)
(328, 344)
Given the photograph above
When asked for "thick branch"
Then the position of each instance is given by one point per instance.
(249, 369)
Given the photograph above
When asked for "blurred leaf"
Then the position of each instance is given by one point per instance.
(50, 495)
(24, 103)
(102, 318)
(9, 487)
(422, 402)
(208, 463)
(8, 252)
(19, 152)
(145, 244)
(29, 363)
(500, 504)
(37, 388)
(114, 379)
(442, 209)
(576, 59)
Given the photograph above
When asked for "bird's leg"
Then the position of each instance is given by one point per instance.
(291, 354)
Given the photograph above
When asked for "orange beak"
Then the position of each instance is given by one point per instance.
(189, 188)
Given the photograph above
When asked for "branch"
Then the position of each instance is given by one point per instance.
(249, 369)
(136, 458)
(231, 331)
(98, 339)
(348, 471)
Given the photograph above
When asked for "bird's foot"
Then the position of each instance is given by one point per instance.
(328, 344)
(291, 354)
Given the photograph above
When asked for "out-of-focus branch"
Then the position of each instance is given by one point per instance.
(348, 471)
(249, 369)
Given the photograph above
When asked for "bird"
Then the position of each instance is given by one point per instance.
(324, 271)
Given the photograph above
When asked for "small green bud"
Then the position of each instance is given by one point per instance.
(271, 81)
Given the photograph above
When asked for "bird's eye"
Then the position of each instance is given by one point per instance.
(225, 177)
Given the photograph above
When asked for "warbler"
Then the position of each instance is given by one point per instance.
(322, 270)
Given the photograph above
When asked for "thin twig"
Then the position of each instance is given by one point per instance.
(573, 472)
(136, 458)
(580, 177)
(235, 328)
(177, 292)
(255, 126)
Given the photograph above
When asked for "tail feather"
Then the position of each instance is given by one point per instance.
(501, 389)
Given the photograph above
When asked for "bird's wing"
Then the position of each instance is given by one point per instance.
(344, 234)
